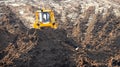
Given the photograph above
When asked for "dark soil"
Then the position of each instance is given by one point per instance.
(23, 47)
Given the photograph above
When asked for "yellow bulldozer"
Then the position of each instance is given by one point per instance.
(44, 18)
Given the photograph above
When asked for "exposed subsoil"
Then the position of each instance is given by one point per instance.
(23, 47)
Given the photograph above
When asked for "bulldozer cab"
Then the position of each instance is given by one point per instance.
(44, 18)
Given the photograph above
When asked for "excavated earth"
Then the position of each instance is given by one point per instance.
(99, 42)
(23, 47)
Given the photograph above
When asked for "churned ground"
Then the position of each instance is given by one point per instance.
(95, 32)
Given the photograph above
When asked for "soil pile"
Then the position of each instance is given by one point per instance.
(23, 47)
(96, 33)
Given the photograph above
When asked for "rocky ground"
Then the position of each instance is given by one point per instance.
(93, 26)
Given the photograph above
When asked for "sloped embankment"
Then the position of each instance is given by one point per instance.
(23, 47)
(98, 34)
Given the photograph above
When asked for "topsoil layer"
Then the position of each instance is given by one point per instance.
(23, 47)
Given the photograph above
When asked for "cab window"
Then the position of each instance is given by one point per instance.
(40, 16)
(45, 17)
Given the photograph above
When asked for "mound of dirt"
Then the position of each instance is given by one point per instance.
(23, 47)
(96, 34)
